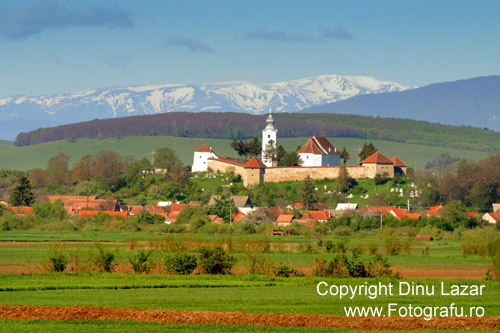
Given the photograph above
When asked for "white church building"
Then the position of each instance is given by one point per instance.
(269, 136)
(317, 151)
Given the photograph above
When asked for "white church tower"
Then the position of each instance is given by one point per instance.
(269, 134)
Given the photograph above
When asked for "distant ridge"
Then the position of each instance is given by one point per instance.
(243, 126)
(473, 102)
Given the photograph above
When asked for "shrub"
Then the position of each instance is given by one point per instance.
(475, 241)
(258, 263)
(183, 264)
(407, 245)
(343, 266)
(104, 259)
(58, 258)
(372, 247)
(330, 246)
(283, 271)
(392, 245)
(216, 260)
(13, 222)
(494, 253)
(342, 244)
(342, 231)
(139, 261)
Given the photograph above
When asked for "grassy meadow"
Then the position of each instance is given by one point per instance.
(241, 292)
(36, 156)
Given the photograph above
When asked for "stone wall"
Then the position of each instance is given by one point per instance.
(224, 166)
(252, 176)
(281, 174)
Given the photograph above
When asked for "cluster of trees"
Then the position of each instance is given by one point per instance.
(185, 124)
(475, 184)
(108, 174)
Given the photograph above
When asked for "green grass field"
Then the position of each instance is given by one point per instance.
(36, 156)
(241, 293)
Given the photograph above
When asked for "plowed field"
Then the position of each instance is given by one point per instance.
(25, 312)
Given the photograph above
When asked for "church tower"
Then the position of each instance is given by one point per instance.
(269, 134)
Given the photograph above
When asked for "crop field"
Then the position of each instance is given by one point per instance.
(36, 156)
(35, 299)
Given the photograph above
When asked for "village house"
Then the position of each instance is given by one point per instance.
(318, 151)
(491, 217)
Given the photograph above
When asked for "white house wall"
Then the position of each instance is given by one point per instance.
(200, 161)
(311, 159)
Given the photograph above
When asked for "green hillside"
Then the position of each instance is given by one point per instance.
(36, 156)
(6, 145)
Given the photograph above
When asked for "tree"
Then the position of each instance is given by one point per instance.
(255, 146)
(107, 167)
(21, 195)
(224, 208)
(480, 197)
(240, 147)
(290, 158)
(344, 155)
(280, 153)
(165, 158)
(270, 152)
(309, 197)
(366, 151)
(344, 181)
(81, 170)
(58, 163)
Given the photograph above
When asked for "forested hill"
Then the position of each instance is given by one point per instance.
(243, 126)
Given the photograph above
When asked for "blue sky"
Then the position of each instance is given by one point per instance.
(57, 46)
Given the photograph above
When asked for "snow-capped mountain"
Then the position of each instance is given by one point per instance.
(239, 96)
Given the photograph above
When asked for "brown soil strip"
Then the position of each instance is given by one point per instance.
(30, 312)
(443, 273)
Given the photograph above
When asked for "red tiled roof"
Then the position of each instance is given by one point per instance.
(434, 208)
(238, 216)
(172, 216)
(318, 145)
(67, 198)
(412, 216)
(377, 158)
(132, 209)
(310, 147)
(284, 218)
(156, 210)
(204, 149)
(21, 211)
(397, 162)
(255, 163)
(86, 213)
(471, 214)
(319, 214)
(178, 207)
(95, 204)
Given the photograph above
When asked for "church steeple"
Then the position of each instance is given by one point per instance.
(269, 134)
(270, 121)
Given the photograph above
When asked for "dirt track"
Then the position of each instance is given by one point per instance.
(27, 312)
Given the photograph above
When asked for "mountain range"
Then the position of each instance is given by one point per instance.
(474, 102)
(290, 96)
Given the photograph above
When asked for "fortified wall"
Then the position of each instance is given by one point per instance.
(252, 174)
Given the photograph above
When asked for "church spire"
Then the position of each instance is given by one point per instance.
(270, 121)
